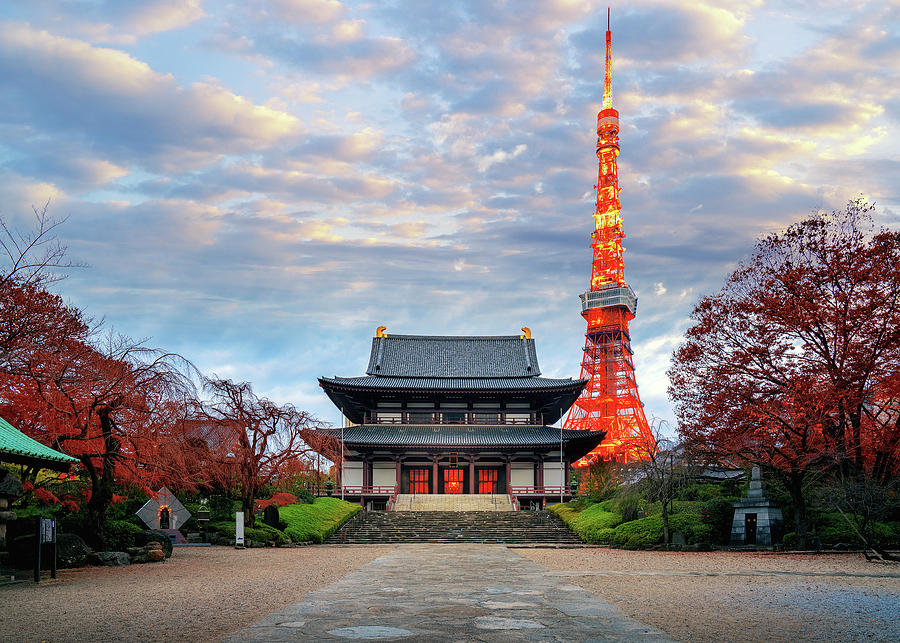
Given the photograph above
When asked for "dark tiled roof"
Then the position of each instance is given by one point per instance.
(17, 447)
(451, 357)
(452, 383)
(460, 435)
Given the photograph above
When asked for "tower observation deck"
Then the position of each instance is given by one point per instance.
(610, 401)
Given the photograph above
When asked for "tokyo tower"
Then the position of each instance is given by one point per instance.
(610, 400)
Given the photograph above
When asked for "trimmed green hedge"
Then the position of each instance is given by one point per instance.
(317, 521)
(592, 524)
(649, 530)
(305, 522)
(262, 533)
(832, 528)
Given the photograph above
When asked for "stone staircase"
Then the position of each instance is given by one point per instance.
(507, 527)
(452, 502)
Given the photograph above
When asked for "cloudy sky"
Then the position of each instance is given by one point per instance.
(259, 184)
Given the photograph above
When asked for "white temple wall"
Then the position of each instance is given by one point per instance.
(353, 474)
(553, 474)
(384, 474)
(521, 474)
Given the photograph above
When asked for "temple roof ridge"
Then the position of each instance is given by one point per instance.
(453, 356)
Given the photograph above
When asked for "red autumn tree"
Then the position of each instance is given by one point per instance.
(266, 437)
(781, 367)
(106, 405)
(105, 400)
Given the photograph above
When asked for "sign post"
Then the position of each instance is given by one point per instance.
(239, 530)
(46, 535)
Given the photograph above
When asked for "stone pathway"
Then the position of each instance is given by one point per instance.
(449, 593)
(766, 573)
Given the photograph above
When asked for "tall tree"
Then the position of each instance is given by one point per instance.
(266, 437)
(781, 366)
(664, 470)
(106, 405)
(103, 399)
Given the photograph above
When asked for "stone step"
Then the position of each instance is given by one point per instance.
(452, 502)
(515, 527)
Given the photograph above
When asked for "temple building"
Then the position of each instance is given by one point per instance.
(455, 415)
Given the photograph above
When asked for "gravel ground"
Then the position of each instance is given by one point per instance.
(199, 594)
(723, 596)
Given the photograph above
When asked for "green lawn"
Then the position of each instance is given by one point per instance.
(317, 521)
(304, 523)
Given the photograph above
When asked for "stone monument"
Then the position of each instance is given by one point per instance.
(757, 520)
(164, 512)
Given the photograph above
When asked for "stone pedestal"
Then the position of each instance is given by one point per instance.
(10, 489)
(757, 520)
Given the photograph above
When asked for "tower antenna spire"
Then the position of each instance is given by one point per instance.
(607, 80)
(610, 400)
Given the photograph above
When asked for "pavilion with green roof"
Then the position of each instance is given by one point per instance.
(18, 448)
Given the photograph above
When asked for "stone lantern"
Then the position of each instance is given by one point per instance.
(757, 520)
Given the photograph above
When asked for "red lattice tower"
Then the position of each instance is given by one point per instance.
(610, 400)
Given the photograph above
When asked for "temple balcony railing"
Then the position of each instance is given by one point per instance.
(453, 417)
(547, 491)
(356, 491)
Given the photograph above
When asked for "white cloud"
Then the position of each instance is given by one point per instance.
(500, 156)
(125, 107)
(306, 12)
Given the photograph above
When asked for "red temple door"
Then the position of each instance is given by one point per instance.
(418, 481)
(453, 480)
(487, 480)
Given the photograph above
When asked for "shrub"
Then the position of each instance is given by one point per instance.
(708, 492)
(222, 508)
(306, 497)
(692, 526)
(262, 533)
(600, 480)
(606, 535)
(587, 523)
(635, 541)
(719, 515)
(121, 534)
(832, 528)
(650, 529)
(316, 522)
(789, 540)
(124, 507)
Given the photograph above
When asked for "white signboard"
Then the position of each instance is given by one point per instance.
(239, 529)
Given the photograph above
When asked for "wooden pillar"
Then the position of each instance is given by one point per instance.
(539, 478)
(434, 475)
(508, 468)
(472, 474)
(399, 471)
